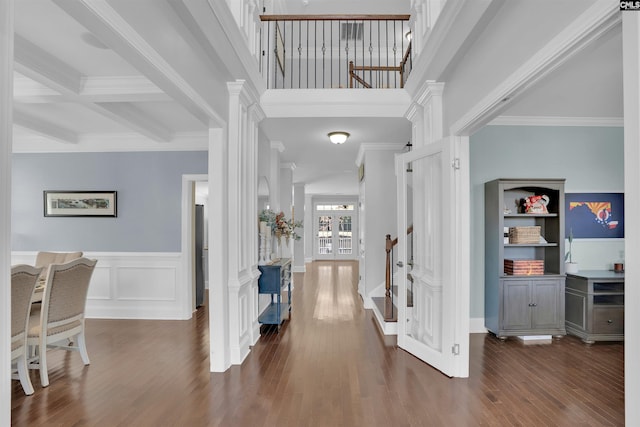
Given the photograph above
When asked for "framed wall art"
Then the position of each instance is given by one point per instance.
(594, 215)
(80, 203)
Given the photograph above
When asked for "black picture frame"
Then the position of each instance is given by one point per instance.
(80, 203)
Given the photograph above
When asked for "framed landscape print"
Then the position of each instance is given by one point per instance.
(80, 203)
(594, 215)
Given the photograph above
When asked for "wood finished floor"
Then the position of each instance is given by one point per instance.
(328, 366)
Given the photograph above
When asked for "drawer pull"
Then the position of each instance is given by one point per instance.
(609, 321)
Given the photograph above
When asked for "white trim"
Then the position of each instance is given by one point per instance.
(104, 143)
(587, 28)
(335, 103)
(476, 325)
(6, 119)
(186, 225)
(42, 127)
(132, 285)
(101, 19)
(376, 146)
(556, 121)
(299, 269)
(631, 96)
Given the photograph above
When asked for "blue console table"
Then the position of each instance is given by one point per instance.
(274, 280)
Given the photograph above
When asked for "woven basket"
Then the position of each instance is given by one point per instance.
(524, 234)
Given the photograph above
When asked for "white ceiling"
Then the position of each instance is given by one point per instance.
(71, 89)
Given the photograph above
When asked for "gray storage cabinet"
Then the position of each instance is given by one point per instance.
(595, 305)
(520, 305)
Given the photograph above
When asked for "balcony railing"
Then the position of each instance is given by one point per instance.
(335, 51)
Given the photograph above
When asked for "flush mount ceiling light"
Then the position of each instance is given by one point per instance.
(338, 137)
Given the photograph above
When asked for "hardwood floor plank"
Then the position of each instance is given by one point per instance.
(327, 366)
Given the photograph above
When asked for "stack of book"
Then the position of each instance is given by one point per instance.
(523, 267)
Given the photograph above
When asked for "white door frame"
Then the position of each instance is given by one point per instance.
(187, 242)
(334, 214)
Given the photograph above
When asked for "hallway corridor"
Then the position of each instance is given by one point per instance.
(327, 366)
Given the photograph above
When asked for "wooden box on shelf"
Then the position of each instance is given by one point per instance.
(523, 267)
(521, 235)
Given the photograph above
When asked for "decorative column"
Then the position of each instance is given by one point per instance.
(6, 132)
(286, 201)
(242, 218)
(299, 211)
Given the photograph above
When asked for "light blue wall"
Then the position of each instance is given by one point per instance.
(149, 186)
(590, 158)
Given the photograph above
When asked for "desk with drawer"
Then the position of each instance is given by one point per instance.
(594, 305)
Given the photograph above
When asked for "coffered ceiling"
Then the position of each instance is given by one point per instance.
(93, 73)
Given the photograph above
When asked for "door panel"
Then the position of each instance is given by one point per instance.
(426, 327)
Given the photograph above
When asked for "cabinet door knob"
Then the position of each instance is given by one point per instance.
(609, 321)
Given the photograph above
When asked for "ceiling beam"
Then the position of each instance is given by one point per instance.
(42, 127)
(94, 89)
(112, 29)
(39, 65)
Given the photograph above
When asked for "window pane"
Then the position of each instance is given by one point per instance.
(325, 235)
(345, 235)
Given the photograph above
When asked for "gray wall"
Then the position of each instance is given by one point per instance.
(590, 158)
(149, 186)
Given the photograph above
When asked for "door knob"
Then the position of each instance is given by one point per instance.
(400, 264)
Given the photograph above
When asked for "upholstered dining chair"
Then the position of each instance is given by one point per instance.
(61, 315)
(23, 282)
(44, 260)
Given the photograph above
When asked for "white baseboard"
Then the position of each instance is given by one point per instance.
(476, 325)
(299, 269)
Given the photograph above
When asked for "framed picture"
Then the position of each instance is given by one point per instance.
(594, 215)
(280, 47)
(80, 203)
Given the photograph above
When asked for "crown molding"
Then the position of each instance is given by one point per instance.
(122, 142)
(556, 121)
(597, 20)
(372, 146)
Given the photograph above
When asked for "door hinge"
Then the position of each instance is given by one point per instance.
(456, 163)
(455, 349)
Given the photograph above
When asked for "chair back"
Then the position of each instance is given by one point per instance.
(23, 282)
(66, 294)
(45, 259)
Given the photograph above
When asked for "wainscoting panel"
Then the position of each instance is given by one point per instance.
(132, 285)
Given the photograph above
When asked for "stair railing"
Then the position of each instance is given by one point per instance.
(316, 51)
(389, 312)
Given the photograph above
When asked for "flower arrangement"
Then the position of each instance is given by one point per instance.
(280, 226)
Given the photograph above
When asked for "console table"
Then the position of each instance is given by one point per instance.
(595, 305)
(274, 280)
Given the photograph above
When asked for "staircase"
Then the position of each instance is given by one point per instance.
(385, 308)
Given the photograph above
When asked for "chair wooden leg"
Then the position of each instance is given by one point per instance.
(44, 376)
(83, 348)
(23, 374)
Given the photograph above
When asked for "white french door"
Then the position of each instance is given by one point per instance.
(335, 228)
(428, 318)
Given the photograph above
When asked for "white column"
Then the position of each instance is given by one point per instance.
(6, 120)
(298, 245)
(631, 95)
(308, 228)
(286, 200)
(218, 247)
(274, 175)
(242, 196)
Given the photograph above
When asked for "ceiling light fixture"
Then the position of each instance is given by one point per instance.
(338, 137)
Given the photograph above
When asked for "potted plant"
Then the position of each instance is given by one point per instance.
(569, 265)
